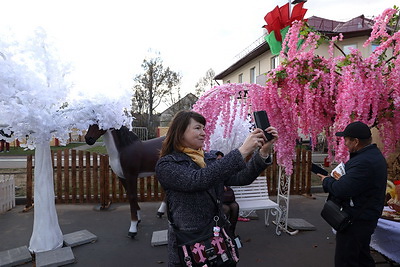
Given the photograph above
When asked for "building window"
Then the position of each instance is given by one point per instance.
(240, 77)
(346, 48)
(274, 62)
(253, 75)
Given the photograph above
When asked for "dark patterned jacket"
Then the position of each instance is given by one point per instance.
(186, 186)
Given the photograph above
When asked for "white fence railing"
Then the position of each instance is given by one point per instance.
(142, 132)
(7, 192)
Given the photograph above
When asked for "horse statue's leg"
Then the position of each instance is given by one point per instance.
(138, 211)
(162, 209)
(131, 191)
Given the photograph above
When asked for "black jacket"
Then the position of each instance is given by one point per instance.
(365, 180)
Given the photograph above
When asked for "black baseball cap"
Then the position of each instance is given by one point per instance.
(356, 129)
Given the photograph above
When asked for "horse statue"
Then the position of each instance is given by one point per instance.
(130, 159)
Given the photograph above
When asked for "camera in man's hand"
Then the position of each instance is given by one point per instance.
(318, 169)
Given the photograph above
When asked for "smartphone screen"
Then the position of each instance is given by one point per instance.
(262, 122)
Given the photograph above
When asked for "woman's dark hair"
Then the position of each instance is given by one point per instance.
(177, 128)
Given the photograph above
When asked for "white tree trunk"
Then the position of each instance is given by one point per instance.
(46, 233)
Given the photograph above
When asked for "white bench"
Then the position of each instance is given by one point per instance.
(255, 197)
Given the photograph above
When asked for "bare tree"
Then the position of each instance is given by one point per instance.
(173, 97)
(205, 82)
(153, 86)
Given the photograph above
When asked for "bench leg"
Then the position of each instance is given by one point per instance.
(277, 212)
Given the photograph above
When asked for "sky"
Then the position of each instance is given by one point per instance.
(106, 41)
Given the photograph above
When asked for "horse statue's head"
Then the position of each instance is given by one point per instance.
(93, 133)
(123, 135)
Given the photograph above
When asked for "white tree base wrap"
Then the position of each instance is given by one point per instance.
(46, 233)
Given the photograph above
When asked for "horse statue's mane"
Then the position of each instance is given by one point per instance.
(125, 136)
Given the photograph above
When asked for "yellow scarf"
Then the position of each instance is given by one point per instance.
(196, 155)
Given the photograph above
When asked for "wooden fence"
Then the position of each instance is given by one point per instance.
(300, 180)
(84, 177)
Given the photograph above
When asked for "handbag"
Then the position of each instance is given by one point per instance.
(213, 245)
(229, 196)
(336, 217)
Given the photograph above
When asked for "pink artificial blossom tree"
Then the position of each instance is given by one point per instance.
(313, 94)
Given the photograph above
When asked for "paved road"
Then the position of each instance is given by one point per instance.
(18, 162)
(12, 162)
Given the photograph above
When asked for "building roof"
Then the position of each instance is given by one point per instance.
(189, 98)
(358, 26)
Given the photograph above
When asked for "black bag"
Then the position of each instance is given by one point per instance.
(335, 216)
(229, 195)
(213, 245)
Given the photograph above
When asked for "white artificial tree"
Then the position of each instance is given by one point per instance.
(36, 106)
(33, 89)
(240, 130)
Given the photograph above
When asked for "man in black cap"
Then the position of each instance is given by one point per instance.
(361, 193)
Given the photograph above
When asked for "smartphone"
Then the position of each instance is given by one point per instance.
(317, 169)
(262, 122)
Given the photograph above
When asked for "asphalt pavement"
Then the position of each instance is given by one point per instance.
(262, 247)
(12, 162)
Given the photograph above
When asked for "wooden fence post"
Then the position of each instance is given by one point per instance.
(58, 179)
(303, 170)
(88, 175)
(148, 185)
(66, 176)
(107, 183)
(104, 182)
(113, 187)
(297, 171)
(80, 176)
(29, 182)
(274, 175)
(73, 176)
(101, 181)
(95, 178)
(308, 177)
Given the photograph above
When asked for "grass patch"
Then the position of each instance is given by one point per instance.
(20, 151)
(98, 149)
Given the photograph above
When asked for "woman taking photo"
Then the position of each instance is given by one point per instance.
(190, 177)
